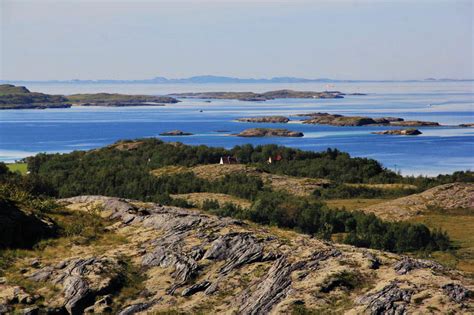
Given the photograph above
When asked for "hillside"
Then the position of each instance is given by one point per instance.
(19, 97)
(153, 258)
(444, 198)
(299, 186)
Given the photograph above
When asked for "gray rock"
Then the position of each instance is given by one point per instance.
(270, 291)
(456, 292)
(320, 256)
(184, 267)
(85, 279)
(30, 311)
(373, 261)
(198, 287)
(390, 300)
(4, 309)
(236, 249)
(408, 264)
(136, 308)
(42, 274)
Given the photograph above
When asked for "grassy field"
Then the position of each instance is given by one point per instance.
(299, 186)
(199, 198)
(353, 204)
(18, 167)
(460, 228)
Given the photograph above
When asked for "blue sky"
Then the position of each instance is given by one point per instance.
(104, 39)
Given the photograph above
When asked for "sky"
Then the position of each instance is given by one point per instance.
(338, 39)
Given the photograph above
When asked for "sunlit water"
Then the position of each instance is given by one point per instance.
(437, 150)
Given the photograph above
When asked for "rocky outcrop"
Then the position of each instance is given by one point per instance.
(82, 280)
(338, 120)
(443, 198)
(471, 125)
(407, 264)
(251, 96)
(265, 119)
(399, 132)
(193, 262)
(269, 132)
(175, 133)
(270, 291)
(457, 292)
(414, 123)
(391, 299)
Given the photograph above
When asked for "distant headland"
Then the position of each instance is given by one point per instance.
(208, 79)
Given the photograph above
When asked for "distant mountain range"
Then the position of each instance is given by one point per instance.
(206, 79)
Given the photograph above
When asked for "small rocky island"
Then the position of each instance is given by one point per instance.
(176, 133)
(269, 132)
(340, 120)
(415, 123)
(258, 97)
(19, 97)
(265, 119)
(399, 132)
(470, 125)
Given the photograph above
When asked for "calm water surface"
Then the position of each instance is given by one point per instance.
(437, 150)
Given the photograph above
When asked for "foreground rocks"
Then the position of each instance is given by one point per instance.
(269, 132)
(192, 262)
(399, 132)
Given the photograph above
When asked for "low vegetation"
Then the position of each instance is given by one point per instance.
(127, 172)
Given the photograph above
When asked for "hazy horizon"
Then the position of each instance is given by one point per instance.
(134, 40)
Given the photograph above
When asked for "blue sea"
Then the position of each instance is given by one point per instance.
(437, 151)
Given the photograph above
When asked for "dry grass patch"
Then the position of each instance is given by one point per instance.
(460, 229)
(199, 198)
(352, 204)
(170, 170)
(384, 186)
(299, 186)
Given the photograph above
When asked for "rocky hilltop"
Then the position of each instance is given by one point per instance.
(251, 96)
(265, 119)
(19, 97)
(188, 262)
(269, 132)
(447, 197)
(399, 132)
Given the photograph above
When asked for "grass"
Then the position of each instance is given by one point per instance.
(460, 228)
(199, 198)
(299, 186)
(353, 204)
(18, 167)
(385, 186)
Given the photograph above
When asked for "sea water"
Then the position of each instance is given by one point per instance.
(438, 150)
